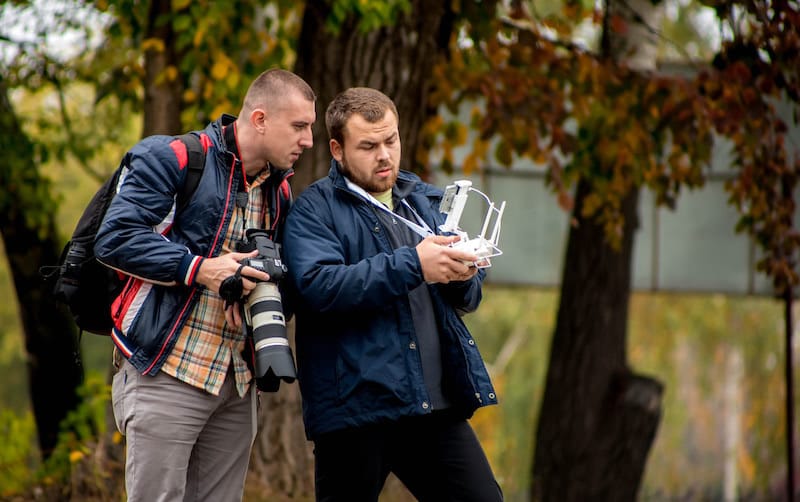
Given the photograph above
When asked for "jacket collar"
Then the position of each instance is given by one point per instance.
(215, 132)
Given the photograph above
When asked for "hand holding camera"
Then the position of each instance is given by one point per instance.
(263, 310)
(214, 271)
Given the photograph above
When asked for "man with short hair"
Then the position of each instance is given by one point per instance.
(184, 396)
(388, 371)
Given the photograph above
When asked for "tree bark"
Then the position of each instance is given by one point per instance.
(598, 419)
(281, 463)
(54, 364)
(162, 93)
(396, 59)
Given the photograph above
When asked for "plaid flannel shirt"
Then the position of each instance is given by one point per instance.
(207, 345)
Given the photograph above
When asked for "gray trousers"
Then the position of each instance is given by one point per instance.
(182, 443)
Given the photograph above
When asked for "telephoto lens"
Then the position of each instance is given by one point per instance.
(274, 360)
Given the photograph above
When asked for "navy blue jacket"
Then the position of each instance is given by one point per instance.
(356, 351)
(142, 237)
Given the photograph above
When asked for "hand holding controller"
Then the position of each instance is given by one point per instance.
(442, 263)
(453, 202)
(479, 248)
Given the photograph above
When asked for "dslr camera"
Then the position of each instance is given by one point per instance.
(263, 313)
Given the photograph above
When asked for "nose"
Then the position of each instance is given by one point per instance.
(307, 138)
(383, 152)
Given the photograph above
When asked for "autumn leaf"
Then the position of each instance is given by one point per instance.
(618, 24)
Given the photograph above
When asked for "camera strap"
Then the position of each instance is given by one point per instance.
(422, 229)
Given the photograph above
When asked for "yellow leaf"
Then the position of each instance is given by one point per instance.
(189, 96)
(116, 438)
(747, 465)
(565, 200)
(180, 4)
(470, 164)
(198, 35)
(75, 456)
(219, 70)
(233, 79)
(220, 109)
(480, 148)
(208, 90)
(171, 73)
(460, 134)
(153, 44)
(591, 203)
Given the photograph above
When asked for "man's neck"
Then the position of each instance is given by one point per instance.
(236, 140)
(385, 198)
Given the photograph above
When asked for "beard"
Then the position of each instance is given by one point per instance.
(367, 181)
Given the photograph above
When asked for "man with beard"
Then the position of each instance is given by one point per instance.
(388, 371)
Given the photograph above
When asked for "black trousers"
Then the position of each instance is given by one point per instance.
(437, 456)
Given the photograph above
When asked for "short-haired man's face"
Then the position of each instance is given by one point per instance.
(288, 129)
(370, 157)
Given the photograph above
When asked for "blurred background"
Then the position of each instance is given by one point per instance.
(639, 326)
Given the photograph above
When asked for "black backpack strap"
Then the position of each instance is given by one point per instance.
(196, 164)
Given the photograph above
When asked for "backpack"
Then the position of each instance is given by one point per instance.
(82, 283)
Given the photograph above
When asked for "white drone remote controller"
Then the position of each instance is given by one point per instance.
(453, 202)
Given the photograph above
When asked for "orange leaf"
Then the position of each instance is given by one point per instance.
(618, 24)
(565, 200)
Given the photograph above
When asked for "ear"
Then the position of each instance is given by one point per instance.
(258, 120)
(336, 150)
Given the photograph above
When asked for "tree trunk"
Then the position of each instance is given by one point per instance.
(162, 89)
(281, 463)
(598, 419)
(30, 240)
(396, 59)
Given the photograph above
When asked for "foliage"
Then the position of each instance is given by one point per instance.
(21, 470)
(512, 327)
(11, 347)
(42, 64)
(370, 15)
(548, 98)
(584, 115)
(16, 453)
(22, 186)
(760, 65)
(685, 339)
(82, 427)
(703, 346)
(221, 47)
